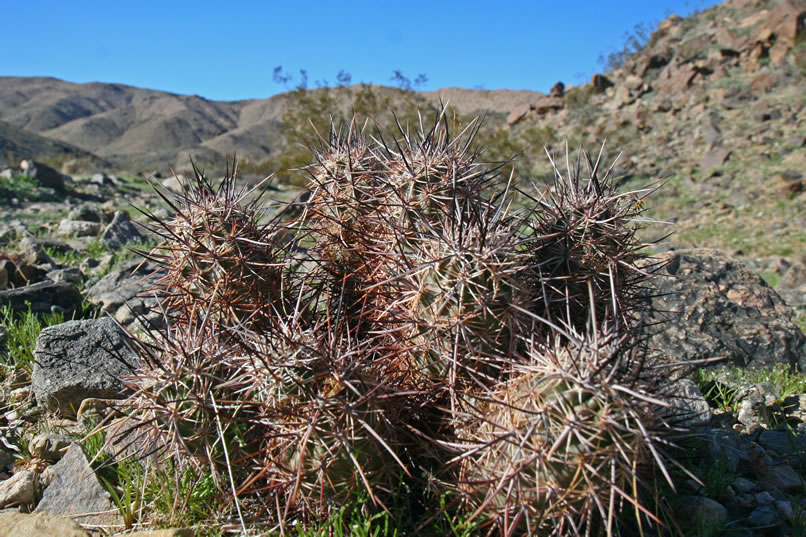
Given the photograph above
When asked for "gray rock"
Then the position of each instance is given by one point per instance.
(120, 232)
(715, 308)
(39, 525)
(77, 360)
(6, 458)
(43, 297)
(766, 515)
(69, 275)
(753, 410)
(784, 509)
(764, 498)
(783, 443)
(714, 159)
(794, 277)
(723, 443)
(86, 213)
(699, 511)
(76, 492)
(32, 251)
(78, 228)
(102, 179)
(782, 477)
(690, 409)
(19, 489)
(125, 288)
(49, 446)
(743, 485)
(745, 501)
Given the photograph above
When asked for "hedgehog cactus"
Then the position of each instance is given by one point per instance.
(585, 238)
(406, 235)
(220, 261)
(191, 400)
(331, 426)
(564, 446)
(425, 312)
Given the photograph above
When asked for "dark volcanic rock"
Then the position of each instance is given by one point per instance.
(42, 174)
(43, 297)
(77, 360)
(714, 307)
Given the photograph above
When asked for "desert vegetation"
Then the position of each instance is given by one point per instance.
(408, 331)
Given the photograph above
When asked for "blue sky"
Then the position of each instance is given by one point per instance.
(229, 53)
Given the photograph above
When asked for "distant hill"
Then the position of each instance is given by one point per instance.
(134, 127)
(17, 143)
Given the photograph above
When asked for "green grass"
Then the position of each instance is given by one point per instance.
(21, 187)
(772, 278)
(718, 394)
(721, 387)
(23, 329)
(73, 258)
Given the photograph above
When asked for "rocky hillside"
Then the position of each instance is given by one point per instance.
(714, 106)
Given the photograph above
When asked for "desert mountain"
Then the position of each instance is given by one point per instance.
(132, 126)
(16, 143)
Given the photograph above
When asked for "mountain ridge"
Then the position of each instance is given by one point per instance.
(130, 126)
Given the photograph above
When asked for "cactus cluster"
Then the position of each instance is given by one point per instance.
(407, 322)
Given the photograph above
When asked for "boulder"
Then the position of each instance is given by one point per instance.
(39, 525)
(32, 251)
(787, 22)
(714, 159)
(601, 82)
(730, 41)
(557, 90)
(548, 104)
(689, 407)
(763, 84)
(43, 297)
(76, 492)
(698, 511)
(710, 306)
(518, 113)
(792, 181)
(120, 231)
(69, 274)
(42, 174)
(691, 48)
(77, 360)
(676, 77)
(794, 277)
(654, 59)
(86, 212)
